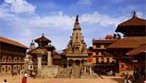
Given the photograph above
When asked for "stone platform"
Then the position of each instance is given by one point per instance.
(49, 72)
(17, 79)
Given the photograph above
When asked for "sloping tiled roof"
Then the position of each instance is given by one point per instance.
(39, 51)
(42, 39)
(129, 42)
(105, 41)
(56, 55)
(134, 21)
(89, 51)
(12, 42)
(141, 49)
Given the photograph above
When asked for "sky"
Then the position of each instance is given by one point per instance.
(26, 20)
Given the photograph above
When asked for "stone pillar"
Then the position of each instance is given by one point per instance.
(67, 63)
(90, 70)
(85, 69)
(39, 62)
(73, 62)
(49, 58)
(80, 63)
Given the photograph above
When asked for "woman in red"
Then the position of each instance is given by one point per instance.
(24, 79)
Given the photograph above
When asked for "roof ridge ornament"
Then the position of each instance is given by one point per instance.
(77, 24)
(77, 18)
(134, 14)
(32, 41)
(42, 34)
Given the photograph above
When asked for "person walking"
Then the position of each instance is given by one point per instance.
(5, 81)
(126, 78)
(24, 79)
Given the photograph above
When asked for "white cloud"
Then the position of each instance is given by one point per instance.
(63, 21)
(20, 6)
(57, 27)
(59, 20)
(97, 18)
(54, 26)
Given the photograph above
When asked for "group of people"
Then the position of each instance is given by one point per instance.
(128, 78)
(24, 79)
(136, 77)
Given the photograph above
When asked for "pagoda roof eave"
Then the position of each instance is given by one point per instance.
(134, 21)
(136, 51)
(42, 38)
(128, 43)
(37, 50)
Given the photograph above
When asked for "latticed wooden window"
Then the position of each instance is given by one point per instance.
(9, 59)
(4, 59)
(6, 69)
(9, 68)
(3, 69)
(108, 60)
(102, 60)
(102, 46)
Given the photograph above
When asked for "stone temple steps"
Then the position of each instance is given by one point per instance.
(89, 76)
(74, 72)
(49, 71)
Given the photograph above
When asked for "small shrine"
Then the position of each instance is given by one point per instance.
(41, 58)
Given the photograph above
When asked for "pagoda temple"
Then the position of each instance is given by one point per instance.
(76, 51)
(134, 31)
(43, 57)
(133, 27)
(44, 45)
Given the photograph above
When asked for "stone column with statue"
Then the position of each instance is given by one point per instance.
(49, 59)
(39, 62)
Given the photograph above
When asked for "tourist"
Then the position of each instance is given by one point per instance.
(130, 79)
(110, 72)
(24, 79)
(126, 77)
(33, 74)
(5, 81)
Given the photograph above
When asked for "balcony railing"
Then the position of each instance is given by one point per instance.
(12, 62)
(11, 52)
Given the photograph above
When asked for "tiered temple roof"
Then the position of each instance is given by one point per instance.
(133, 27)
(134, 21)
(134, 30)
(42, 41)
